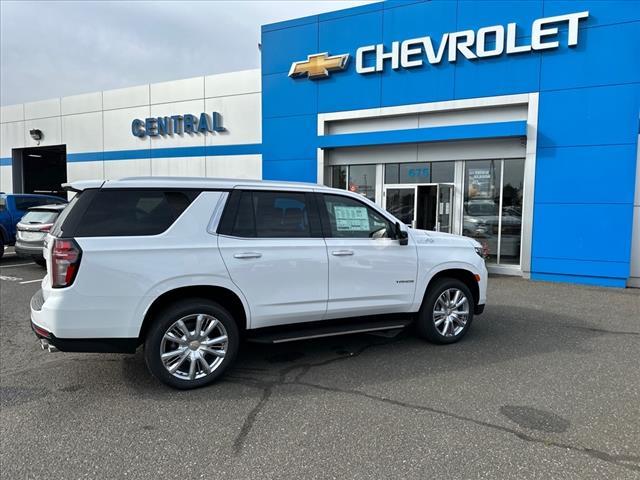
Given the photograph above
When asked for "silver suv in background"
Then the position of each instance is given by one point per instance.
(32, 229)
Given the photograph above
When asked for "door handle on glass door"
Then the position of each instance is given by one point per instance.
(247, 255)
(342, 253)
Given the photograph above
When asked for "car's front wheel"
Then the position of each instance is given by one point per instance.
(447, 311)
(191, 343)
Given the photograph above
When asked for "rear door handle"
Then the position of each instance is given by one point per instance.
(247, 255)
(342, 253)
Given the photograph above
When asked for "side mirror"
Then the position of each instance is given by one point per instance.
(401, 235)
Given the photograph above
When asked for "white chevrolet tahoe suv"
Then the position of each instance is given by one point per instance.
(188, 267)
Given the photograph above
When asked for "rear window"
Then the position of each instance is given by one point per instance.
(25, 203)
(132, 212)
(39, 216)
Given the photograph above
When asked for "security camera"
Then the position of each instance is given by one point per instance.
(36, 134)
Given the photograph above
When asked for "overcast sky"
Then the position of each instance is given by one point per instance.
(53, 49)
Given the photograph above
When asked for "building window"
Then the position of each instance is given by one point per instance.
(493, 207)
(442, 172)
(419, 172)
(392, 173)
(362, 179)
(511, 225)
(339, 177)
(355, 178)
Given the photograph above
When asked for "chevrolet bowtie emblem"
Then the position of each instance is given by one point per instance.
(318, 65)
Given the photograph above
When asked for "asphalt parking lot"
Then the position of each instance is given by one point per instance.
(546, 385)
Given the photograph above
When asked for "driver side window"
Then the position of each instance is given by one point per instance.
(349, 218)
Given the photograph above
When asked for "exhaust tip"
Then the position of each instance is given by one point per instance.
(45, 345)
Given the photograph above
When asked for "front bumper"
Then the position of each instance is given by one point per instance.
(86, 345)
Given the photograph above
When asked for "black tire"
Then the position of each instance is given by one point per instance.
(40, 261)
(426, 324)
(1, 246)
(189, 308)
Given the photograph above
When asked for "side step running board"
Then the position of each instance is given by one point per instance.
(327, 331)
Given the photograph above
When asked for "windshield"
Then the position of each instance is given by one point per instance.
(39, 216)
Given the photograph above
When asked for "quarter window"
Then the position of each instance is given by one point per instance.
(132, 212)
(349, 218)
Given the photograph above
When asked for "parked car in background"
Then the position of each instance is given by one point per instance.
(188, 267)
(12, 209)
(482, 223)
(33, 228)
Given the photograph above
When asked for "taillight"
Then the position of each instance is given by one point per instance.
(65, 261)
(45, 228)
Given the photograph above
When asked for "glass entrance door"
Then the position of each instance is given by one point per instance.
(401, 203)
(427, 207)
(444, 214)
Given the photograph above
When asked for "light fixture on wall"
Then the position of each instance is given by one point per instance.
(36, 134)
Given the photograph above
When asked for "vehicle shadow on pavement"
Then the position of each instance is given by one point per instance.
(502, 335)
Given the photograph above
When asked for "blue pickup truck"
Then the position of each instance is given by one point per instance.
(12, 209)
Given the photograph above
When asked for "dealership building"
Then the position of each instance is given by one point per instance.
(515, 123)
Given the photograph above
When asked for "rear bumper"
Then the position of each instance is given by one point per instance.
(87, 345)
(28, 249)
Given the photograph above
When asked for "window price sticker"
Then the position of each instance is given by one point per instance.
(351, 219)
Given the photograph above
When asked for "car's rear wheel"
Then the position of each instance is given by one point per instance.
(40, 261)
(191, 343)
(447, 311)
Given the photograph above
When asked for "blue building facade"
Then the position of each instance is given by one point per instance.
(578, 126)
(512, 122)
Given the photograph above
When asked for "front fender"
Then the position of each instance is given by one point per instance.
(424, 278)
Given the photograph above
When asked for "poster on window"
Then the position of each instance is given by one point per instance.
(351, 219)
(480, 182)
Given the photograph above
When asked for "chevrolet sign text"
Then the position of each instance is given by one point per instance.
(487, 42)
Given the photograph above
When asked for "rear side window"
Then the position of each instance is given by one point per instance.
(132, 212)
(261, 214)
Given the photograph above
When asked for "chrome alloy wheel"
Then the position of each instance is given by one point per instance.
(451, 312)
(194, 346)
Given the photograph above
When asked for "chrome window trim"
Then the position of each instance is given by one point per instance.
(217, 213)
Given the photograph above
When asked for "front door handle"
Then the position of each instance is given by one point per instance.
(247, 255)
(342, 253)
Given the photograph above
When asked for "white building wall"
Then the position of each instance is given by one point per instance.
(98, 126)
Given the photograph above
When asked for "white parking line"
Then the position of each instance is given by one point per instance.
(17, 265)
(32, 281)
(9, 279)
